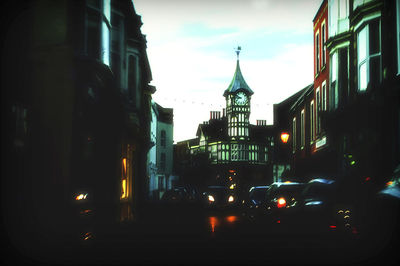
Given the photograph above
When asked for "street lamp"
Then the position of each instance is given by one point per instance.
(284, 137)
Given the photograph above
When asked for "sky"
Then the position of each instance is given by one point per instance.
(191, 49)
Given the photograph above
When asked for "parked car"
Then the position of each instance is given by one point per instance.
(219, 197)
(177, 195)
(325, 207)
(381, 228)
(253, 200)
(282, 202)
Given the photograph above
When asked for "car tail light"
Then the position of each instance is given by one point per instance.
(281, 203)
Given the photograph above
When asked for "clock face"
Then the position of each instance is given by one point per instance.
(241, 98)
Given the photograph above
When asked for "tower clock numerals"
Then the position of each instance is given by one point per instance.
(241, 98)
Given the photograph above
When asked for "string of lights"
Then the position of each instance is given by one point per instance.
(202, 102)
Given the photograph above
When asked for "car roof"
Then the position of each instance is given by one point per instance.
(258, 187)
(322, 180)
(221, 187)
(278, 184)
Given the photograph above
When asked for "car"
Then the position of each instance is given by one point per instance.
(253, 200)
(381, 224)
(282, 202)
(176, 195)
(323, 207)
(219, 197)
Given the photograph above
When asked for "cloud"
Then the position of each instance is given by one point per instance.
(191, 53)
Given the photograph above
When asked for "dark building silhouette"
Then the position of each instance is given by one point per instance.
(76, 104)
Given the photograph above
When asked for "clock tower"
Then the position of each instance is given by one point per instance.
(238, 96)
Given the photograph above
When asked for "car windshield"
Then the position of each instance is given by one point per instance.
(258, 194)
(284, 190)
(218, 189)
(317, 190)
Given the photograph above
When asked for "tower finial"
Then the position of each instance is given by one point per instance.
(238, 49)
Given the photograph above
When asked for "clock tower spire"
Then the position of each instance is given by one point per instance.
(238, 95)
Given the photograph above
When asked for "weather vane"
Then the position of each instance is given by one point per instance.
(238, 49)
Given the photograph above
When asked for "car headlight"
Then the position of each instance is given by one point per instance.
(210, 198)
(231, 199)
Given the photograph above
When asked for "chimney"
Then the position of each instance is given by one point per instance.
(261, 122)
(215, 115)
(223, 112)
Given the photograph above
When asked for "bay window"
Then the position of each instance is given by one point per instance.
(98, 25)
(369, 55)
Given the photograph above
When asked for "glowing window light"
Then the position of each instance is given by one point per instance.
(124, 166)
(284, 137)
(124, 194)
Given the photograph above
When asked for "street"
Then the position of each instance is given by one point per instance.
(192, 235)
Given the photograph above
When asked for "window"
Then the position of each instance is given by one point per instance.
(294, 133)
(369, 55)
(333, 99)
(116, 45)
(163, 138)
(132, 78)
(20, 115)
(312, 121)
(302, 130)
(93, 34)
(126, 172)
(98, 30)
(323, 40)
(124, 192)
(398, 35)
(338, 16)
(162, 161)
(318, 108)
(317, 53)
(234, 152)
(324, 107)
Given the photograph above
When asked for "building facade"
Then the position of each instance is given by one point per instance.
(302, 119)
(161, 154)
(283, 152)
(355, 129)
(77, 115)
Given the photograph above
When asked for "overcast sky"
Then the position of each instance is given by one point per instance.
(191, 48)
